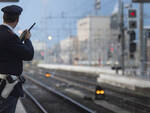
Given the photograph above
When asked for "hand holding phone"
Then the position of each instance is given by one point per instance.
(23, 35)
(26, 34)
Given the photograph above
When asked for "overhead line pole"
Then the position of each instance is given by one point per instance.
(121, 25)
(142, 52)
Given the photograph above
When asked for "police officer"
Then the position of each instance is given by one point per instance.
(12, 54)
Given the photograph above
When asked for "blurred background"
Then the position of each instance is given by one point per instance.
(85, 32)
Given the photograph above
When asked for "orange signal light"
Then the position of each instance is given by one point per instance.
(47, 74)
(102, 92)
(99, 92)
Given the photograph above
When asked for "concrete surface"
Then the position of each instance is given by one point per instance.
(20, 108)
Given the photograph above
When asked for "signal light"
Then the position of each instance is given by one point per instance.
(132, 47)
(131, 56)
(99, 93)
(132, 21)
(132, 24)
(132, 36)
(47, 74)
(132, 13)
(132, 44)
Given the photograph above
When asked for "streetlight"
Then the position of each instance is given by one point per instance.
(49, 37)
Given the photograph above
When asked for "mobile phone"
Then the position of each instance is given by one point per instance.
(31, 26)
(23, 36)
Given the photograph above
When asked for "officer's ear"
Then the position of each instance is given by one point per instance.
(16, 22)
(17, 19)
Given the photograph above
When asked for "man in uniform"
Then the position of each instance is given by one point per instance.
(12, 54)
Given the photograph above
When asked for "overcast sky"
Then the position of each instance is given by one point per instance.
(50, 15)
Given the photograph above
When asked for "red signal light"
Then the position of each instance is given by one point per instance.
(132, 13)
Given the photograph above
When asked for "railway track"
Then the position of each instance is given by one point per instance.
(88, 103)
(128, 101)
(50, 101)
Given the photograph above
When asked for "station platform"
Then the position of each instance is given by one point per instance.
(108, 76)
(20, 108)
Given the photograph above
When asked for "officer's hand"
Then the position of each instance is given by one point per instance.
(27, 34)
(23, 34)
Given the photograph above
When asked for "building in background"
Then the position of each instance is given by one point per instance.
(69, 50)
(93, 34)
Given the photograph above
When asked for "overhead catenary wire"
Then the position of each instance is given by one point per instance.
(51, 20)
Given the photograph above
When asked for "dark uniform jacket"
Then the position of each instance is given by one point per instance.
(13, 52)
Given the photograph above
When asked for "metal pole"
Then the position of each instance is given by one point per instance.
(123, 40)
(89, 42)
(142, 66)
(121, 7)
(145, 54)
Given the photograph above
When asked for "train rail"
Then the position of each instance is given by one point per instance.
(128, 101)
(63, 98)
(35, 101)
(88, 103)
